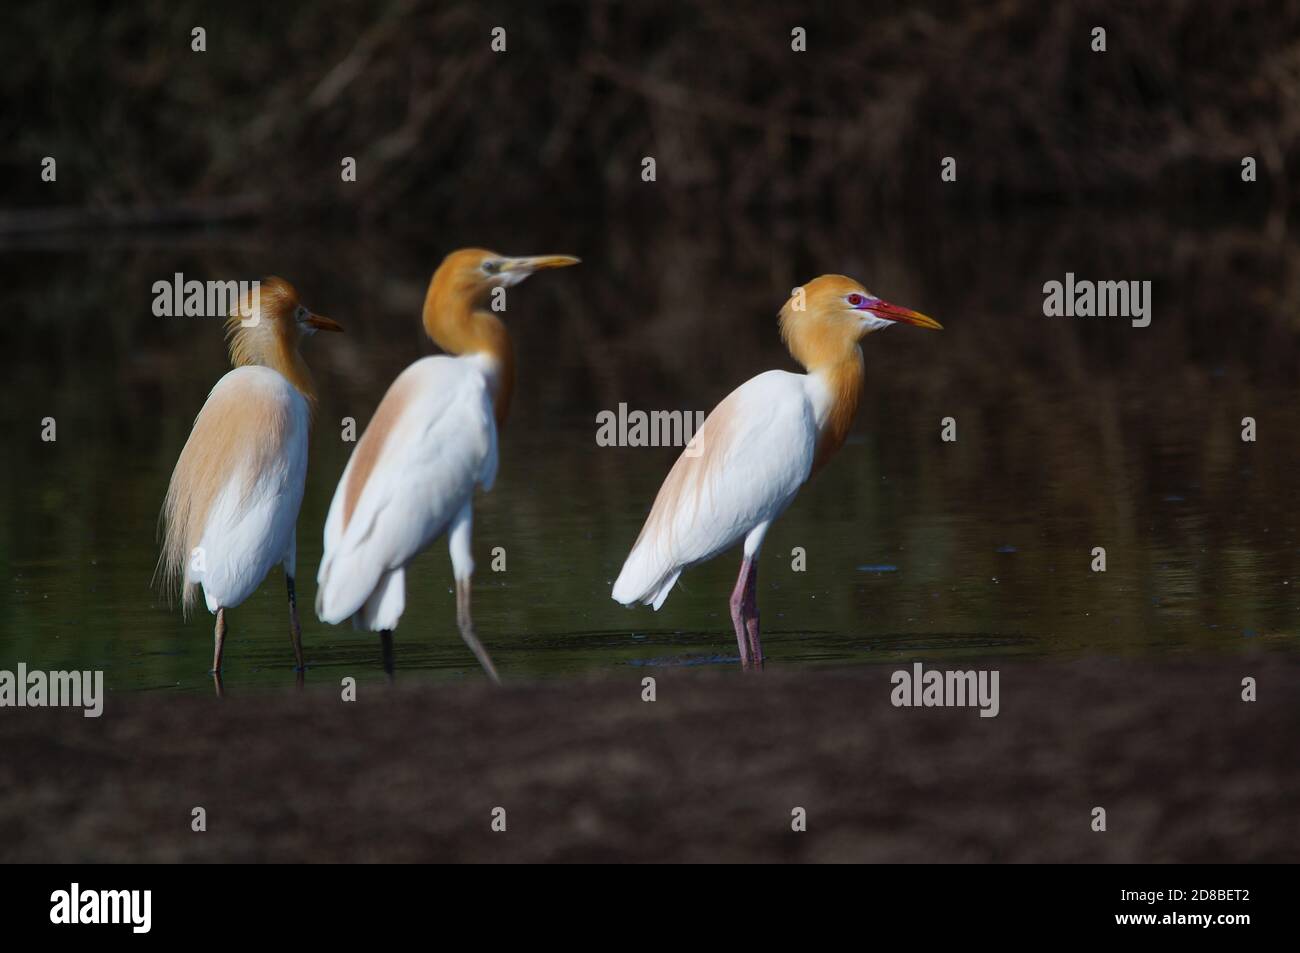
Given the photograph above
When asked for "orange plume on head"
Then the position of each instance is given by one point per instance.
(818, 327)
(822, 335)
(822, 324)
(267, 327)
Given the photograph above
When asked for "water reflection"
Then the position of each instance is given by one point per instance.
(1072, 434)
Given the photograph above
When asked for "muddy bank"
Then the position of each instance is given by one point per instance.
(711, 770)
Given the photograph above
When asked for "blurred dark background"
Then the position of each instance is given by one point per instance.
(444, 129)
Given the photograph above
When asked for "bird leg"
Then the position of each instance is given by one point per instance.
(738, 612)
(295, 630)
(749, 608)
(465, 622)
(219, 641)
(386, 644)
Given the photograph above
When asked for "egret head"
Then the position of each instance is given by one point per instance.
(270, 320)
(823, 320)
(266, 328)
(470, 274)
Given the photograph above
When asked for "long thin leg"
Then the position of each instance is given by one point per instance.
(218, 640)
(465, 621)
(386, 644)
(738, 612)
(749, 607)
(295, 630)
(462, 567)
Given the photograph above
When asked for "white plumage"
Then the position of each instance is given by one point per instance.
(250, 526)
(441, 444)
(754, 452)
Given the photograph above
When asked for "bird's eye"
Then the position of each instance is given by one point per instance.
(855, 300)
(491, 267)
(300, 314)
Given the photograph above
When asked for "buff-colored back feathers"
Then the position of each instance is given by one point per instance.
(236, 437)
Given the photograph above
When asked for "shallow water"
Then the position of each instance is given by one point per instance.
(1072, 433)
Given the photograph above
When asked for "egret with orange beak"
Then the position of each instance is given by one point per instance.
(232, 505)
(432, 439)
(757, 448)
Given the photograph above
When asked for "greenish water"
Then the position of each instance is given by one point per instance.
(1072, 433)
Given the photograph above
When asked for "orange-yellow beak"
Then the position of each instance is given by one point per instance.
(320, 323)
(892, 312)
(537, 263)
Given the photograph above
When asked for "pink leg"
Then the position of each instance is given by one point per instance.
(749, 608)
(738, 612)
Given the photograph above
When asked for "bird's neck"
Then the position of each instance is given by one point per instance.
(266, 345)
(843, 382)
(460, 329)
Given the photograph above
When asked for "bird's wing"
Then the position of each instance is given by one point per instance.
(747, 461)
(432, 438)
(237, 487)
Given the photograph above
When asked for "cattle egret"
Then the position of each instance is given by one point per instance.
(758, 446)
(233, 500)
(432, 439)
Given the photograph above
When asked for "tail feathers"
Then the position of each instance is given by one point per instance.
(384, 607)
(644, 580)
(342, 588)
(169, 576)
(658, 599)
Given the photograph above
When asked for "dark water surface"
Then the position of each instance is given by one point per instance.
(1072, 433)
